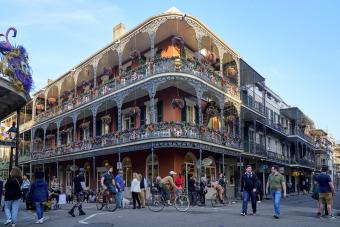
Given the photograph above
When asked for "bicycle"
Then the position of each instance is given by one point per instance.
(156, 202)
(106, 199)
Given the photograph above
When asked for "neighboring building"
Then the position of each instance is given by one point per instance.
(336, 164)
(167, 95)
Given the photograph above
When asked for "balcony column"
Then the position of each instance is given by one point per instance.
(221, 102)
(152, 35)
(94, 110)
(152, 93)
(95, 66)
(58, 129)
(120, 50)
(32, 140)
(75, 78)
(119, 100)
(44, 143)
(33, 109)
(45, 101)
(221, 64)
(74, 118)
(59, 89)
(199, 94)
(254, 139)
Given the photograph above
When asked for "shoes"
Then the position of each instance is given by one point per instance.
(8, 222)
(243, 214)
(71, 212)
(40, 221)
(81, 212)
(258, 201)
(13, 224)
(276, 216)
(254, 214)
(332, 217)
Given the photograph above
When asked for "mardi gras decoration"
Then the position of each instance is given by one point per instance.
(14, 64)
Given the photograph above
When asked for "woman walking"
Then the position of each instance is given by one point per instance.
(12, 196)
(38, 195)
(135, 189)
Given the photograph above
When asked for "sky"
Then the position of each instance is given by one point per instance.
(295, 45)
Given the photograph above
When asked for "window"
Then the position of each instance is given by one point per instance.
(127, 171)
(148, 111)
(86, 133)
(214, 123)
(128, 122)
(210, 172)
(251, 135)
(149, 167)
(189, 166)
(105, 128)
(190, 111)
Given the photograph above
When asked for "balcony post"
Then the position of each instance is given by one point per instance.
(221, 101)
(152, 165)
(44, 144)
(32, 140)
(57, 169)
(58, 129)
(254, 139)
(221, 64)
(74, 118)
(199, 94)
(94, 110)
(152, 93)
(94, 167)
(119, 101)
(33, 109)
(45, 101)
(95, 66)
(152, 35)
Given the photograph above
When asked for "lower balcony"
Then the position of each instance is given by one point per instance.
(160, 131)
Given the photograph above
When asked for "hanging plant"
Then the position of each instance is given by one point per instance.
(106, 119)
(212, 110)
(84, 125)
(178, 41)
(211, 58)
(230, 112)
(150, 128)
(135, 55)
(132, 111)
(178, 103)
(37, 140)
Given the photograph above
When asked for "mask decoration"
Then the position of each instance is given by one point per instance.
(14, 64)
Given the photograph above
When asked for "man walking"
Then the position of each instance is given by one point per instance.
(248, 187)
(120, 189)
(276, 183)
(79, 188)
(326, 192)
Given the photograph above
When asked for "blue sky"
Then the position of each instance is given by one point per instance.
(294, 44)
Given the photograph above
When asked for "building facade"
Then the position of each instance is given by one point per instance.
(167, 95)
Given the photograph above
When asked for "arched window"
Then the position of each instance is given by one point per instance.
(127, 171)
(149, 167)
(189, 166)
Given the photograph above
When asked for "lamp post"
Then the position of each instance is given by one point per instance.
(13, 132)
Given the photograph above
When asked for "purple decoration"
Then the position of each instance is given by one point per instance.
(5, 46)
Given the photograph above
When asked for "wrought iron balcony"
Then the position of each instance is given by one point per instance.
(278, 127)
(276, 157)
(160, 130)
(164, 65)
(251, 103)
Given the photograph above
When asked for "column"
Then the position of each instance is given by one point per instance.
(223, 168)
(44, 144)
(45, 102)
(152, 93)
(200, 167)
(30, 171)
(152, 35)
(152, 165)
(221, 65)
(74, 118)
(254, 139)
(57, 170)
(199, 94)
(95, 66)
(94, 169)
(58, 133)
(94, 109)
(222, 115)
(119, 107)
(33, 109)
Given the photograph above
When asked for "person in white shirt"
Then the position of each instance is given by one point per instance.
(135, 189)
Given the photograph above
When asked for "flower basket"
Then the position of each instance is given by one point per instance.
(135, 54)
(40, 106)
(150, 128)
(106, 119)
(202, 129)
(132, 111)
(177, 103)
(84, 125)
(105, 79)
(178, 41)
(52, 100)
(231, 71)
(117, 135)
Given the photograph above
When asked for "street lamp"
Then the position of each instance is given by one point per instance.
(12, 131)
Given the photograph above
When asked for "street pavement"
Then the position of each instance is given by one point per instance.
(297, 211)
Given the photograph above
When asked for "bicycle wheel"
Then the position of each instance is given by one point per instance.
(182, 203)
(99, 201)
(156, 203)
(214, 200)
(111, 203)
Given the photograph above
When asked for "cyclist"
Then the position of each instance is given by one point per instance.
(108, 181)
(166, 185)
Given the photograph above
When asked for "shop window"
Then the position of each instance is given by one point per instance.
(127, 171)
(149, 168)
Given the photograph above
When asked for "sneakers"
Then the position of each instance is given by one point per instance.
(332, 217)
(40, 221)
(8, 222)
(276, 216)
(13, 224)
(243, 214)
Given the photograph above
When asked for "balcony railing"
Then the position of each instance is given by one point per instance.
(165, 65)
(251, 103)
(302, 135)
(160, 130)
(277, 157)
(258, 149)
(276, 126)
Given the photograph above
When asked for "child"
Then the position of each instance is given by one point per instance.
(38, 195)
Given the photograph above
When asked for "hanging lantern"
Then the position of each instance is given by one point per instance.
(177, 103)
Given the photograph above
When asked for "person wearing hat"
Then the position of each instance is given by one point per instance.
(120, 189)
(166, 184)
(39, 194)
(79, 188)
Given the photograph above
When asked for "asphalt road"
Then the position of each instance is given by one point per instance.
(297, 211)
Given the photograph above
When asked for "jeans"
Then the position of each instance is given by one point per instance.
(39, 208)
(11, 210)
(119, 199)
(276, 196)
(135, 199)
(246, 195)
(192, 198)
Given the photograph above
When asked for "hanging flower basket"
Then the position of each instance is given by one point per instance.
(231, 71)
(52, 100)
(105, 79)
(178, 103)
(211, 58)
(135, 55)
(212, 109)
(132, 111)
(49, 136)
(37, 140)
(106, 119)
(150, 128)
(84, 125)
(40, 106)
(178, 41)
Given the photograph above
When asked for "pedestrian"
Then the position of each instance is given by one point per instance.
(203, 189)
(120, 189)
(192, 190)
(142, 194)
(25, 186)
(259, 191)
(135, 190)
(248, 187)
(220, 187)
(55, 188)
(276, 183)
(38, 195)
(1, 191)
(326, 192)
(12, 196)
(79, 189)
(179, 181)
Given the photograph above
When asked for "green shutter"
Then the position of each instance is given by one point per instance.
(160, 111)
(197, 115)
(184, 113)
(142, 116)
